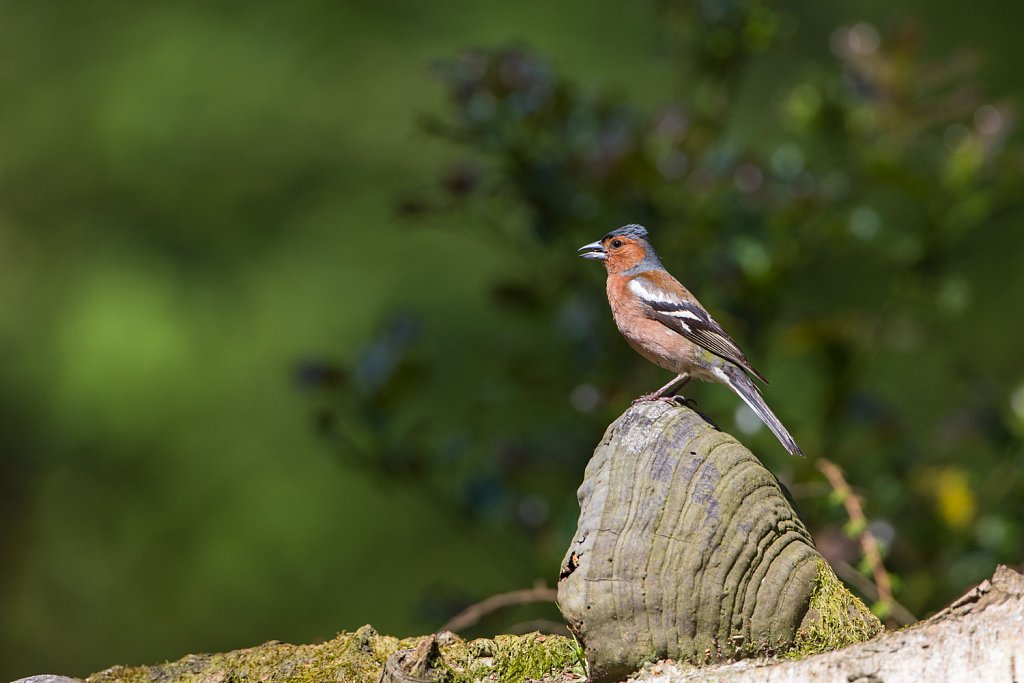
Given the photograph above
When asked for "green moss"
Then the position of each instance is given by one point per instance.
(535, 656)
(359, 657)
(835, 617)
(351, 657)
(509, 659)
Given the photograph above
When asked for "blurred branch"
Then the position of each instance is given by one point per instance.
(848, 573)
(477, 611)
(542, 625)
(868, 542)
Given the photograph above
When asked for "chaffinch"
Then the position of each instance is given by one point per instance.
(666, 324)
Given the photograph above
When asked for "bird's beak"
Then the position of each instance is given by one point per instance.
(594, 251)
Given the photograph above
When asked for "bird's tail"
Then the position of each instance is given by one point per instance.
(739, 382)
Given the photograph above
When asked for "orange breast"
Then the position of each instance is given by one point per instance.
(648, 337)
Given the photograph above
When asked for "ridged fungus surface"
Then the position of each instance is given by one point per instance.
(687, 548)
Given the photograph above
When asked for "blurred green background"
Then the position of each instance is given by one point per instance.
(295, 338)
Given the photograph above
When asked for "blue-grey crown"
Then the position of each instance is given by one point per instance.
(637, 232)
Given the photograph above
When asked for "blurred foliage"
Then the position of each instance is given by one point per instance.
(849, 256)
(213, 217)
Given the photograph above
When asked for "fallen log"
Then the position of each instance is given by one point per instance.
(687, 549)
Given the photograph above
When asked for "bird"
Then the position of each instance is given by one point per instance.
(665, 324)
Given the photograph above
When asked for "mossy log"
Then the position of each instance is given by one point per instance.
(688, 549)
(365, 656)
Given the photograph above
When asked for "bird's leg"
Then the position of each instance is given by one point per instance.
(678, 381)
(676, 399)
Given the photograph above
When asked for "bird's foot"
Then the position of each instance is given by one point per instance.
(677, 383)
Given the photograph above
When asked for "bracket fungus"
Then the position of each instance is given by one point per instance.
(687, 548)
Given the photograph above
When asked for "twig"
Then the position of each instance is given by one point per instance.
(546, 626)
(868, 542)
(479, 610)
(848, 573)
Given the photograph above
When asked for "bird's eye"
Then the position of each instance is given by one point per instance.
(616, 243)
